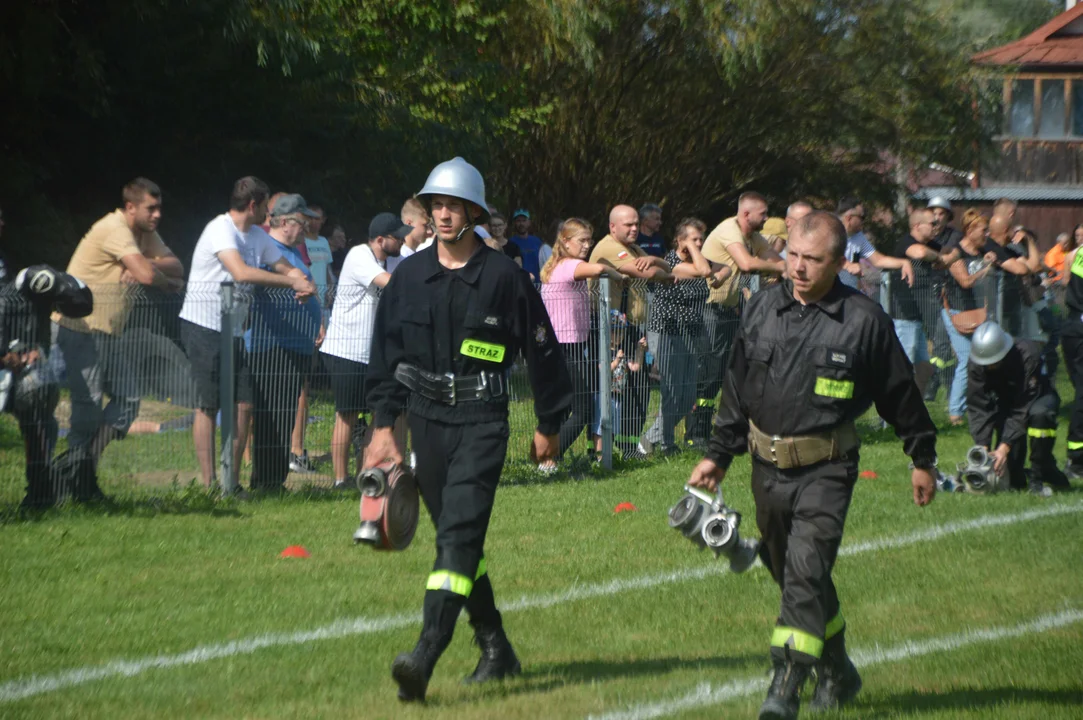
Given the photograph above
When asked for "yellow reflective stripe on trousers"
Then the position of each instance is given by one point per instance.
(941, 363)
(841, 389)
(705, 402)
(834, 627)
(489, 352)
(799, 640)
(482, 569)
(1043, 433)
(1075, 445)
(450, 581)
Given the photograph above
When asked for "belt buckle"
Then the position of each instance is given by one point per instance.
(490, 385)
(774, 454)
(451, 386)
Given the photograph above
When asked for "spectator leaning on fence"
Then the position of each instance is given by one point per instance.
(349, 338)
(971, 266)
(1054, 258)
(1017, 261)
(120, 251)
(230, 249)
(858, 247)
(282, 338)
(619, 250)
(736, 243)
(677, 317)
(906, 301)
(650, 236)
(567, 300)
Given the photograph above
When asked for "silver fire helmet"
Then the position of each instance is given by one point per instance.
(989, 344)
(457, 178)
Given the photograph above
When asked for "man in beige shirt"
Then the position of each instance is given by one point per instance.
(119, 251)
(736, 243)
(619, 250)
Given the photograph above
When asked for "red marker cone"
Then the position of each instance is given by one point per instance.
(869, 474)
(294, 551)
(625, 507)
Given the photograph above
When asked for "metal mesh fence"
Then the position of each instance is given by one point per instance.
(646, 362)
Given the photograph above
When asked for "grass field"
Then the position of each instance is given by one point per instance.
(180, 606)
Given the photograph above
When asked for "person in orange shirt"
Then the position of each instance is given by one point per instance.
(1066, 243)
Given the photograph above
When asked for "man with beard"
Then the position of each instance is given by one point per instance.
(120, 250)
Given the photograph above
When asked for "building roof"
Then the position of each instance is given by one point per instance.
(991, 193)
(1058, 43)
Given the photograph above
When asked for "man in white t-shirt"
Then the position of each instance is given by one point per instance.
(231, 249)
(349, 336)
(852, 213)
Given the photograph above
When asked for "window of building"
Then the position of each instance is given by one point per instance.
(1053, 110)
(1046, 107)
(1022, 108)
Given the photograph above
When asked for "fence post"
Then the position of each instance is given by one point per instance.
(1000, 297)
(226, 392)
(885, 291)
(604, 375)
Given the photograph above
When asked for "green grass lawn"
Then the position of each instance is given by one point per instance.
(610, 613)
(83, 588)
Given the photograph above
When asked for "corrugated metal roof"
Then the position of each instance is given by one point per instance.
(1034, 49)
(1019, 193)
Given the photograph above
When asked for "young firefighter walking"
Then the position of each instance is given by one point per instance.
(448, 325)
(811, 356)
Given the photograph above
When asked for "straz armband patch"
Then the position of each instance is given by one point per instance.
(489, 352)
(841, 389)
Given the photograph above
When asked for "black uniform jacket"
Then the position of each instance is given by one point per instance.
(429, 316)
(802, 369)
(1005, 392)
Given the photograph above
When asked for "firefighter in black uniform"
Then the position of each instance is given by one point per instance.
(811, 356)
(28, 387)
(1009, 393)
(448, 325)
(1072, 342)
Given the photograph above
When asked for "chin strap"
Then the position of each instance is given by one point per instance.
(457, 238)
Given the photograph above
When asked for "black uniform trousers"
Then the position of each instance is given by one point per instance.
(37, 426)
(277, 376)
(1042, 434)
(801, 514)
(721, 330)
(1072, 343)
(458, 469)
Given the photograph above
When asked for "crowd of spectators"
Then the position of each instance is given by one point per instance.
(307, 304)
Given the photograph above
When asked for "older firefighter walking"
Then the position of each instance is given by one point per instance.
(449, 324)
(811, 356)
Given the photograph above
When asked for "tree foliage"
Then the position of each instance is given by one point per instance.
(567, 107)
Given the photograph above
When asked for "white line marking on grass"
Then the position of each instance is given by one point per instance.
(706, 694)
(32, 685)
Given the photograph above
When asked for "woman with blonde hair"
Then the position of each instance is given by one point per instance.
(973, 265)
(564, 292)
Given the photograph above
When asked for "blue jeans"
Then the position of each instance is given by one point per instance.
(912, 338)
(961, 345)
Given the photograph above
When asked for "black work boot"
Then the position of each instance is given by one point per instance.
(498, 659)
(412, 670)
(784, 695)
(837, 680)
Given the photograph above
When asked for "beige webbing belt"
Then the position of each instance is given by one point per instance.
(802, 450)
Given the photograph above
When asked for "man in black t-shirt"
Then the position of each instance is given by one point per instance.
(945, 239)
(1017, 261)
(908, 303)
